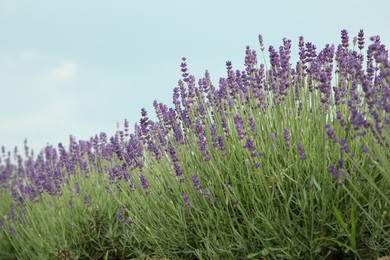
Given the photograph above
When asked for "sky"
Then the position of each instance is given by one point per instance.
(71, 67)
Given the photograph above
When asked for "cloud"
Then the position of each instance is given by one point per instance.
(28, 55)
(66, 71)
(38, 89)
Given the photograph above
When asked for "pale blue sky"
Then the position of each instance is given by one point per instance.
(78, 67)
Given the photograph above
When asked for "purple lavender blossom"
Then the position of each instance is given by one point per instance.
(128, 221)
(340, 118)
(221, 143)
(86, 199)
(287, 137)
(344, 146)
(357, 118)
(333, 171)
(71, 203)
(311, 52)
(12, 230)
(205, 83)
(225, 126)
(250, 63)
(340, 163)
(209, 195)
(302, 51)
(172, 153)
(202, 141)
(250, 145)
(239, 126)
(176, 101)
(344, 38)
(330, 132)
(187, 201)
(191, 90)
(284, 52)
(126, 125)
(252, 124)
(261, 42)
(77, 187)
(144, 181)
(184, 69)
(360, 40)
(301, 151)
(196, 182)
(120, 214)
(132, 185)
(274, 57)
(364, 148)
(114, 141)
(177, 169)
(214, 135)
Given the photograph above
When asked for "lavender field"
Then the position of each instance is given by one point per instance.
(275, 161)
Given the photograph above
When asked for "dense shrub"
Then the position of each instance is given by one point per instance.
(278, 162)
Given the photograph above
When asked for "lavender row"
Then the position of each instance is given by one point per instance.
(357, 100)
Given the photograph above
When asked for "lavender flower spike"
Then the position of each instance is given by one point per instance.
(287, 136)
(196, 181)
(360, 39)
(77, 187)
(250, 145)
(335, 173)
(178, 169)
(144, 181)
(261, 42)
(187, 201)
(344, 38)
(301, 151)
(239, 126)
(209, 195)
(86, 199)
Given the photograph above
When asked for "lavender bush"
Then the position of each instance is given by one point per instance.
(278, 162)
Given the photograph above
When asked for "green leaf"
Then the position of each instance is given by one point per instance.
(252, 255)
(353, 227)
(341, 221)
